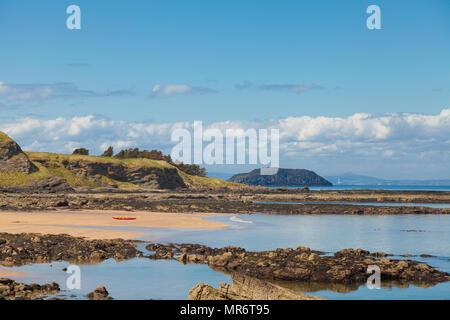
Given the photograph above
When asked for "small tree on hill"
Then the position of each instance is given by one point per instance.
(81, 151)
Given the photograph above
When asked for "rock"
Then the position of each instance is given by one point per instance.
(37, 248)
(303, 264)
(100, 293)
(202, 291)
(143, 176)
(246, 288)
(12, 290)
(48, 185)
(12, 158)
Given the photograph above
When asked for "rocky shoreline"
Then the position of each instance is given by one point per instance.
(225, 202)
(256, 275)
(21, 249)
(12, 290)
(347, 266)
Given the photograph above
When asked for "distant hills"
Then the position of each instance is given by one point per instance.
(356, 179)
(284, 177)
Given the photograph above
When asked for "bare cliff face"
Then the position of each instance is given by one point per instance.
(12, 158)
(146, 177)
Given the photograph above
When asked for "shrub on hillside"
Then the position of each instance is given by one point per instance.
(81, 151)
(135, 153)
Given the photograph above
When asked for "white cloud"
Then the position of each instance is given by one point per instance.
(167, 90)
(403, 137)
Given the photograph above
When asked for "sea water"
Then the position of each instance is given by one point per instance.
(142, 278)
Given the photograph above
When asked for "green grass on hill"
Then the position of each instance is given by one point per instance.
(51, 164)
(56, 157)
(208, 182)
(4, 138)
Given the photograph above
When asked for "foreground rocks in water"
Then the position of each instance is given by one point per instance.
(100, 293)
(19, 249)
(246, 288)
(12, 290)
(301, 264)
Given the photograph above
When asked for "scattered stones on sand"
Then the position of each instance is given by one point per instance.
(20, 249)
(300, 264)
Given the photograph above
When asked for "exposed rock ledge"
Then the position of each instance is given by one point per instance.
(48, 185)
(20, 249)
(246, 288)
(301, 264)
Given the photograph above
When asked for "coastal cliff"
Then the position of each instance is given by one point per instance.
(45, 172)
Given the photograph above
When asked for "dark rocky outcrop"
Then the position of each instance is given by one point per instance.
(284, 177)
(48, 185)
(20, 249)
(12, 290)
(246, 288)
(12, 158)
(146, 177)
(301, 264)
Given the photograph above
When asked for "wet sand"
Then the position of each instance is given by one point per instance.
(94, 224)
(10, 273)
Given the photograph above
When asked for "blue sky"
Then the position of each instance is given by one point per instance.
(234, 60)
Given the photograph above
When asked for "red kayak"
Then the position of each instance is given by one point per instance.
(123, 218)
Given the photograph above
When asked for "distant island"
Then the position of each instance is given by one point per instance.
(356, 179)
(284, 177)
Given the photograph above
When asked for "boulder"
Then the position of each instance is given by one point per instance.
(246, 288)
(100, 293)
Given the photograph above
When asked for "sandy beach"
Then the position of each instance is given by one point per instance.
(95, 224)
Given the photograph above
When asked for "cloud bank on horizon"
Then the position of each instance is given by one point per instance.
(408, 142)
